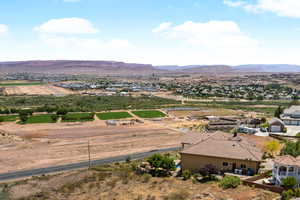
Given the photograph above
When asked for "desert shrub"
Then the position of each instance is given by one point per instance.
(162, 165)
(287, 195)
(289, 182)
(291, 148)
(146, 178)
(230, 182)
(54, 117)
(177, 195)
(297, 192)
(186, 174)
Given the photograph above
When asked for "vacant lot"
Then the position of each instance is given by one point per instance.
(119, 182)
(35, 119)
(149, 113)
(36, 90)
(78, 117)
(9, 118)
(113, 115)
(61, 143)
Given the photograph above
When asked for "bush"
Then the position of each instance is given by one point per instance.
(230, 182)
(186, 174)
(146, 178)
(159, 161)
(54, 117)
(287, 195)
(289, 182)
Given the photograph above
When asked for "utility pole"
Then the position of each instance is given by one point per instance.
(89, 152)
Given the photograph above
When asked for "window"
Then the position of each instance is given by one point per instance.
(298, 171)
(225, 164)
(243, 166)
(291, 169)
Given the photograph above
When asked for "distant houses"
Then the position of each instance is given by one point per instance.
(291, 116)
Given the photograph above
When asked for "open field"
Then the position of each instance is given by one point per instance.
(39, 119)
(149, 113)
(43, 145)
(36, 89)
(206, 112)
(118, 181)
(78, 117)
(9, 118)
(113, 115)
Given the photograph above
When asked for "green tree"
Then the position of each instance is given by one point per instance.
(278, 112)
(272, 147)
(291, 148)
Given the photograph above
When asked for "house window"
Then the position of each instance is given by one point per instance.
(225, 164)
(291, 169)
(243, 166)
(298, 171)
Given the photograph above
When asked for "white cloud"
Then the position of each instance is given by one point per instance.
(67, 26)
(234, 3)
(285, 8)
(162, 27)
(211, 34)
(3, 29)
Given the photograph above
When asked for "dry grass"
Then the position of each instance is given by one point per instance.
(120, 183)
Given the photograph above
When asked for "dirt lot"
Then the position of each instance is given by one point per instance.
(119, 182)
(43, 145)
(216, 112)
(36, 90)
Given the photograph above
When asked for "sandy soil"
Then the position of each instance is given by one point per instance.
(55, 144)
(36, 90)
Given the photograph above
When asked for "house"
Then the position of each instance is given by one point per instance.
(291, 116)
(276, 125)
(285, 166)
(224, 151)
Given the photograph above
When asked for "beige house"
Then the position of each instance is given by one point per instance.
(224, 151)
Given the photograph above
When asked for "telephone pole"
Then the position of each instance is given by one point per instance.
(89, 152)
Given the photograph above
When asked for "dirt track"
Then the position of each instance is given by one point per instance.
(48, 144)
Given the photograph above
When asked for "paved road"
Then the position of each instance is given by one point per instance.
(35, 172)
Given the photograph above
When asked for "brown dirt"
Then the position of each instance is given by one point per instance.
(55, 144)
(36, 90)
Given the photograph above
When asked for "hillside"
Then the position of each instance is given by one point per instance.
(77, 67)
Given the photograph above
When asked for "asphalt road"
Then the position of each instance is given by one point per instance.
(41, 171)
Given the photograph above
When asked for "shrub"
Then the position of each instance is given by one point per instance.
(160, 161)
(287, 195)
(146, 178)
(54, 118)
(297, 192)
(177, 195)
(289, 182)
(186, 174)
(230, 182)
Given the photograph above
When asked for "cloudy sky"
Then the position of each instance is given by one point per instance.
(159, 32)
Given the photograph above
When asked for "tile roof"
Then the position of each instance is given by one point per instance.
(224, 145)
(288, 160)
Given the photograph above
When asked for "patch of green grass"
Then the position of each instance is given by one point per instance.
(78, 117)
(36, 119)
(9, 118)
(20, 84)
(149, 113)
(113, 115)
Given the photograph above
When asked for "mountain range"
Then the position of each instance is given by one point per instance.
(121, 68)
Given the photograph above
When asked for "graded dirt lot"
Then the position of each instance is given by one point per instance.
(42, 145)
(36, 90)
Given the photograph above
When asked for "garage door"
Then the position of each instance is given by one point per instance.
(275, 129)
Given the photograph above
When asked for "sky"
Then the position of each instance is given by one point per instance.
(158, 32)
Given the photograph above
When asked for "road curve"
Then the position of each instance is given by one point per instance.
(47, 170)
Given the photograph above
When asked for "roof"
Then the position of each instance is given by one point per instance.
(292, 109)
(194, 137)
(224, 145)
(288, 160)
(274, 120)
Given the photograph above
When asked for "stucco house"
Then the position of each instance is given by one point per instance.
(291, 116)
(224, 151)
(276, 125)
(285, 166)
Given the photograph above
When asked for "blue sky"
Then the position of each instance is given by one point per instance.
(152, 31)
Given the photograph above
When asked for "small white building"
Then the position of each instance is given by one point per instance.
(285, 166)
